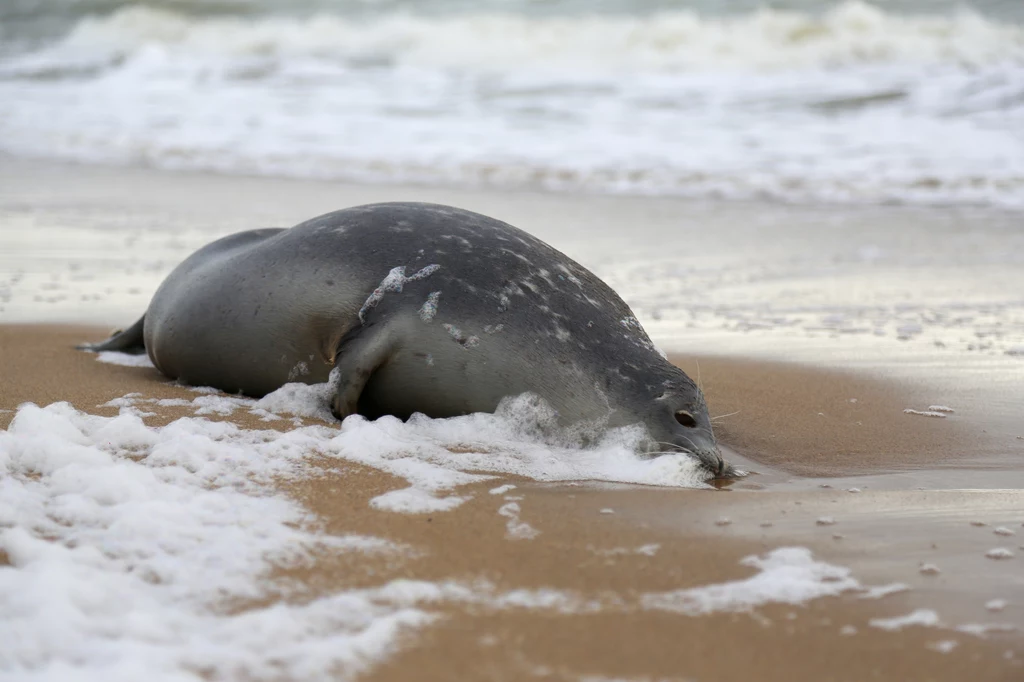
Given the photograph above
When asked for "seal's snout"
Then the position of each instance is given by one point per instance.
(700, 444)
(704, 451)
(714, 462)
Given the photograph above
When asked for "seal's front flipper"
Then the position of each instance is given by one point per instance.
(359, 354)
(128, 341)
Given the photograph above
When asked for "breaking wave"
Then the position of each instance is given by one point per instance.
(852, 104)
(852, 33)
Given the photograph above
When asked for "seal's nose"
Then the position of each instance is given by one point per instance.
(712, 459)
(703, 447)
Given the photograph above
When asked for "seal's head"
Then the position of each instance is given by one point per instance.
(678, 421)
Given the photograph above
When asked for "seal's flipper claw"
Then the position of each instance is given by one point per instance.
(128, 341)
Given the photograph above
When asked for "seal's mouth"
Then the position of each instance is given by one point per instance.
(712, 461)
(728, 472)
(708, 459)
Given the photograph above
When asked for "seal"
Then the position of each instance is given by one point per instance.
(420, 308)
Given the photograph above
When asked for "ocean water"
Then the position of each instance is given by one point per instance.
(905, 101)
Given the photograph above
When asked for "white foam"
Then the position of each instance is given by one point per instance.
(922, 617)
(983, 629)
(925, 413)
(124, 540)
(1000, 553)
(879, 591)
(788, 575)
(394, 282)
(429, 308)
(521, 438)
(415, 501)
(944, 646)
(301, 400)
(855, 105)
(643, 550)
(125, 359)
(516, 529)
(436, 456)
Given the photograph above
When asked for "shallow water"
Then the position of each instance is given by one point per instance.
(854, 286)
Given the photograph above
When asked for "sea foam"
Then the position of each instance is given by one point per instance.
(133, 550)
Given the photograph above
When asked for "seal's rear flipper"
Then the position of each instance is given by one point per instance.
(128, 341)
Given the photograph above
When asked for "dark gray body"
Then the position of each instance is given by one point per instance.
(255, 310)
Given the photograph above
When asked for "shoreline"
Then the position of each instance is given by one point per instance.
(48, 164)
(836, 424)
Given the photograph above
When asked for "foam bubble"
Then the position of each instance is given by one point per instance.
(515, 529)
(922, 617)
(124, 359)
(880, 591)
(944, 646)
(925, 413)
(415, 501)
(983, 629)
(999, 553)
(788, 575)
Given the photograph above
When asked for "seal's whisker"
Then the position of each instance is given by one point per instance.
(723, 416)
(659, 453)
(688, 440)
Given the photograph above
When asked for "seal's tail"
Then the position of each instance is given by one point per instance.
(128, 341)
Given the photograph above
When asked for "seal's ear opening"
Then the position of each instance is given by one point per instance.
(686, 419)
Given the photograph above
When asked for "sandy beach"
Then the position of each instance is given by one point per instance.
(813, 208)
(872, 529)
(616, 544)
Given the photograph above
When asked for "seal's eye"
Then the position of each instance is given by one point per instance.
(686, 419)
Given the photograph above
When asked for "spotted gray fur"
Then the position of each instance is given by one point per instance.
(489, 311)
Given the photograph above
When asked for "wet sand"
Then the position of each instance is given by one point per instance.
(701, 536)
(816, 421)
